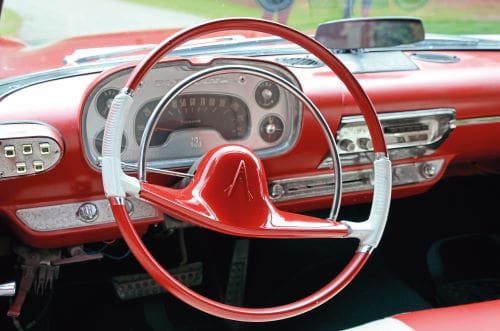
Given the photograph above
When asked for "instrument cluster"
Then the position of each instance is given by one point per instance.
(237, 108)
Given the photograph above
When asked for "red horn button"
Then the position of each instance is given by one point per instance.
(231, 180)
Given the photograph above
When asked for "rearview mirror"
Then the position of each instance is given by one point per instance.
(370, 32)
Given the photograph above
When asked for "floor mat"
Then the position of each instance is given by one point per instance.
(376, 293)
(465, 269)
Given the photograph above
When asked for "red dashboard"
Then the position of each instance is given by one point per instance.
(466, 89)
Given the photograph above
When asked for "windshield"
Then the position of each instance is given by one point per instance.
(31, 25)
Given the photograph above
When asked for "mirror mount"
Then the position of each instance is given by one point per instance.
(373, 32)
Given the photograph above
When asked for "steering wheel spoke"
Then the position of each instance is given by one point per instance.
(229, 194)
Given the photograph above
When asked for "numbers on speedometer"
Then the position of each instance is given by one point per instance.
(226, 114)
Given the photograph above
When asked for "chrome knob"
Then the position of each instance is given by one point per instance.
(365, 143)
(347, 145)
(428, 170)
(267, 94)
(270, 128)
(129, 206)
(277, 191)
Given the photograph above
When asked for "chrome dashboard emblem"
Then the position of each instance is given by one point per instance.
(88, 212)
(239, 177)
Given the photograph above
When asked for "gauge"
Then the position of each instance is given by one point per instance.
(226, 114)
(267, 94)
(98, 142)
(159, 136)
(271, 128)
(104, 101)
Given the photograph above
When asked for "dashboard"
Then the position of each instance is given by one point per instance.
(51, 134)
(236, 108)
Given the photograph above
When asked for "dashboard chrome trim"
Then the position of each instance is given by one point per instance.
(44, 148)
(303, 187)
(403, 114)
(65, 216)
(401, 151)
(478, 120)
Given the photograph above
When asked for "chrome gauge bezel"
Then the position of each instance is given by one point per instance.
(289, 109)
(441, 122)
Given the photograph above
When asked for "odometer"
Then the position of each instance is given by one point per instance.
(226, 114)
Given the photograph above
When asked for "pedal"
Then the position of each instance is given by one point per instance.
(135, 286)
(236, 283)
(35, 270)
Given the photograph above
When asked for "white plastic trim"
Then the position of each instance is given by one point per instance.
(370, 231)
(386, 324)
(116, 182)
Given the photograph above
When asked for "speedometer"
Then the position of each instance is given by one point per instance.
(223, 113)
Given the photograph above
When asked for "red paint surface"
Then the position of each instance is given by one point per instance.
(470, 86)
(17, 59)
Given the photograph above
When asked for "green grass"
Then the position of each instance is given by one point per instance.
(10, 23)
(205, 8)
(301, 16)
(462, 27)
(439, 16)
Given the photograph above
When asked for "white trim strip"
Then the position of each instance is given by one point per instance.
(386, 324)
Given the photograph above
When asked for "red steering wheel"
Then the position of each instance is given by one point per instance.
(239, 204)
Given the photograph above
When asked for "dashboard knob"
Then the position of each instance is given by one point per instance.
(130, 206)
(365, 143)
(277, 191)
(87, 212)
(347, 145)
(271, 128)
(428, 170)
(267, 94)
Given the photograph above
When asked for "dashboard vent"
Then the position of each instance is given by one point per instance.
(300, 61)
(437, 58)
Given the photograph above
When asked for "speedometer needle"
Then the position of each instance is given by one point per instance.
(163, 129)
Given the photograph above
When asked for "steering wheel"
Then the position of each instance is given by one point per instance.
(229, 193)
